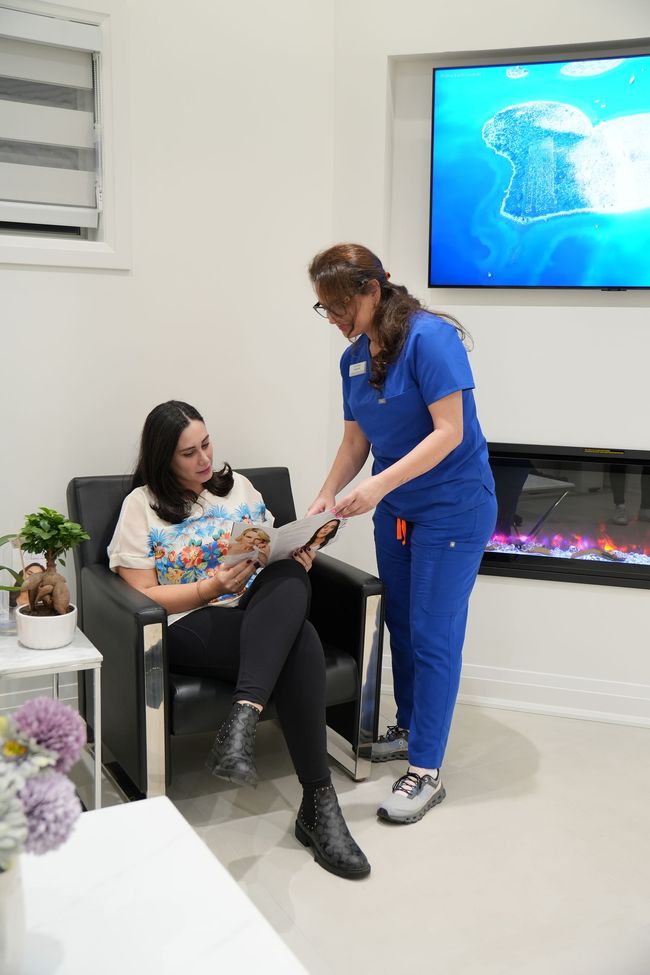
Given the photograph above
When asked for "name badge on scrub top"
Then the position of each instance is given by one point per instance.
(357, 369)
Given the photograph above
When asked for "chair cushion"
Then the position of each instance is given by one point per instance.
(201, 703)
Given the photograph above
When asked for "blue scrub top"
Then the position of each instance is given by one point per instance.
(432, 364)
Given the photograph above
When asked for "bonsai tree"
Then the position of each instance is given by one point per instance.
(18, 576)
(50, 533)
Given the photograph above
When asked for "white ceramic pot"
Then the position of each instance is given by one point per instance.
(45, 632)
(12, 920)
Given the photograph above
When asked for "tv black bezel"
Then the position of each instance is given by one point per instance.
(511, 64)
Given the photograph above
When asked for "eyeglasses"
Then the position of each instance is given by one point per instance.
(325, 312)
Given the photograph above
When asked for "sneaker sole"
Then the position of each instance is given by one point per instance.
(303, 837)
(393, 757)
(433, 801)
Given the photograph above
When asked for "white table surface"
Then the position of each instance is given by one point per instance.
(134, 890)
(16, 660)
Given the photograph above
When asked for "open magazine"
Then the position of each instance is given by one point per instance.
(264, 544)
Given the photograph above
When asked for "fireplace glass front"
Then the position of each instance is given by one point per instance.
(571, 513)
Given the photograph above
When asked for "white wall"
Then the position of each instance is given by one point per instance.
(231, 120)
(550, 367)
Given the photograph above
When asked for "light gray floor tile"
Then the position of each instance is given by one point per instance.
(537, 863)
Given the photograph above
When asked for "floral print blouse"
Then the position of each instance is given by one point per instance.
(190, 550)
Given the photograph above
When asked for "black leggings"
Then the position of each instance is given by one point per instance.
(267, 645)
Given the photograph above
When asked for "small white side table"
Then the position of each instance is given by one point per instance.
(18, 661)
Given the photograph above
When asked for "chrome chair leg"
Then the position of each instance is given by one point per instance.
(154, 693)
(357, 762)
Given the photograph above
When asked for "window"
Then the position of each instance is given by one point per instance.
(54, 147)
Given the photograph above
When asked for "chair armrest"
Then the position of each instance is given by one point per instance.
(129, 629)
(104, 592)
(345, 575)
(342, 608)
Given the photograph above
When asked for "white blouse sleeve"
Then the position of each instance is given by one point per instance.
(130, 546)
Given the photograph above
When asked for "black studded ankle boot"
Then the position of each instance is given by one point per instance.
(321, 826)
(232, 755)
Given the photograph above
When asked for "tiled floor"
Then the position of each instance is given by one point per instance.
(537, 863)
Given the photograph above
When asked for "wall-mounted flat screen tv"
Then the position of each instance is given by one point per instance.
(540, 175)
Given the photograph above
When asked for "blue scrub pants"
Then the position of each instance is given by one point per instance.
(429, 576)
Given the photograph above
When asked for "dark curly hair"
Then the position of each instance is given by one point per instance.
(345, 270)
(159, 439)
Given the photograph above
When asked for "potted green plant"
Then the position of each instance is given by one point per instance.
(49, 620)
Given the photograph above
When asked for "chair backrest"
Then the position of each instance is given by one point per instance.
(95, 503)
(274, 485)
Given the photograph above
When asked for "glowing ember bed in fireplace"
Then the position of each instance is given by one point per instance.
(576, 514)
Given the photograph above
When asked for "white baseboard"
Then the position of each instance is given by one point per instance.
(560, 695)
(582, 714)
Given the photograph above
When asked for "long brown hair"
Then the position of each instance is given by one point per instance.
(345, 270)
(159, 439)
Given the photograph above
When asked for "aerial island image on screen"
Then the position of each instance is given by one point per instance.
(541, 175)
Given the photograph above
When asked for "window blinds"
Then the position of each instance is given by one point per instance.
(49, 160)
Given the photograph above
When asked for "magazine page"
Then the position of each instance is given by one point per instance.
(314, 532)
(263, 544)
(249, 541)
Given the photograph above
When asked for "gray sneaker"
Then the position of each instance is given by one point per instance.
(644, 514)
(422, 793)
(394, 744)
(620, 516)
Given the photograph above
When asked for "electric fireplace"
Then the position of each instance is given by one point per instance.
(575, 514)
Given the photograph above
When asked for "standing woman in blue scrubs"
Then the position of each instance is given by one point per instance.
(407, 396)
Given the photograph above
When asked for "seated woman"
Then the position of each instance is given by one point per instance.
(235, 622)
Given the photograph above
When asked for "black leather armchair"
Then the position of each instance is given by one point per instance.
(143, 703)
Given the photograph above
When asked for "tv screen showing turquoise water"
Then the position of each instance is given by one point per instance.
(540, 175)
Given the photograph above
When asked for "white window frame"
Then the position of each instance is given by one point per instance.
(111, 248)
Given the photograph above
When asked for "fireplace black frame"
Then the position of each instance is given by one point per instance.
(567, 570)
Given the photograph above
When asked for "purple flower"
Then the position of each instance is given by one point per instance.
(51, 807)
(55, 726)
